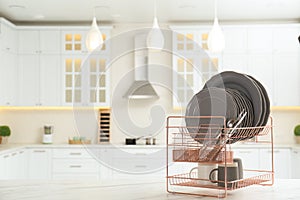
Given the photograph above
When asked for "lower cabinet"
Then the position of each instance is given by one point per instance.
(39, 163)
(138, 164)
(104, 160)
(295, 157)
(250, 157)
(104, 164)
(13, 165)
(261, 159)
(282, 159)
(74, 164)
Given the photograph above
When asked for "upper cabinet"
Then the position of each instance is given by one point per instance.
(269, 53)
(260, 39)
(192, 62)
(86, 78)
(39, 67)
(285, 39)
(73, 40)
(8, 65)
(39, 41)
(9, 37)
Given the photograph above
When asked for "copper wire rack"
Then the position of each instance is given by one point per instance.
(210, 143)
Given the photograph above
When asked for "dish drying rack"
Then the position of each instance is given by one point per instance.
(209, 144)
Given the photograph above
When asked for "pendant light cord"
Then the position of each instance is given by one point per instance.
(154, 8)
(94, 8)
(216, 10)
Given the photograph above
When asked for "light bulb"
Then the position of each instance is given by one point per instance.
(94, 37)
(216, 40)
(155, 38)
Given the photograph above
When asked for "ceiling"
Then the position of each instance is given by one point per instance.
(141, 11)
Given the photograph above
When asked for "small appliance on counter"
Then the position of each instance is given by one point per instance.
(47, 137)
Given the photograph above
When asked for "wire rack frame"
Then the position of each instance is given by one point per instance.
(210, 144)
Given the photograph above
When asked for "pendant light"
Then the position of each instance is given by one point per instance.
(155, 38)
(94, 39)
(216, 40)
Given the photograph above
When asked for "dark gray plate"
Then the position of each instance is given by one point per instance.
(209, 102)
(265, 97)
(244, 85)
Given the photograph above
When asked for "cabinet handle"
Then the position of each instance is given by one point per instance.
(7, 103)
(244, 151)
(39, 151)
(13, 154)
(75, 154)
(75, 166)
(296, 152)
(141, 166)
(275, 151)
(141, 154)
(20, 152)
(7, 48)
(6, 156)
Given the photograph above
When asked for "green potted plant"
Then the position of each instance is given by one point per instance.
(297, 133)
(4, 134)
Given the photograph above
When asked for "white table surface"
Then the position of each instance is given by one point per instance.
(155, 190)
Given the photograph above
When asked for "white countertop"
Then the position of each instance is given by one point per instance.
(67, 190)
(13, 147)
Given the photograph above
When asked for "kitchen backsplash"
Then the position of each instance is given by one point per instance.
(27, 125)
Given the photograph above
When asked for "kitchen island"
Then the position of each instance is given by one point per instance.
(151, 190)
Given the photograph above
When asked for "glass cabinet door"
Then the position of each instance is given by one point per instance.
(72, 80)
(98, 80)
(74, 42)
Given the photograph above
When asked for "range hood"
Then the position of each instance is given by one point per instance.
(141, 87)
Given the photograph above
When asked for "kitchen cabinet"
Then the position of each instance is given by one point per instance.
(86, 81)
(86, 77)
(261, 159)
(105, 164)
(39, 163)
(10, 165)
(269, 53)
(249, 156)
(5, 166)
(8, 77)
(286, 81)
(39, 41)
(285, 39)
(74, 164)
(39, 78)
(73, 41)
(2, 167)
(260, 66)
(141, 163)
(29, 80)
(259, 39)
(22, 161)
(192, 62)
(8, 56)
(39, 68)
(235, 39)
(9, 37)
(282, 159)
(50, 80)
(295, 158)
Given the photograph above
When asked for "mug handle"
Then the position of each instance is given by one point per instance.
(190, 174)
(210, 175)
